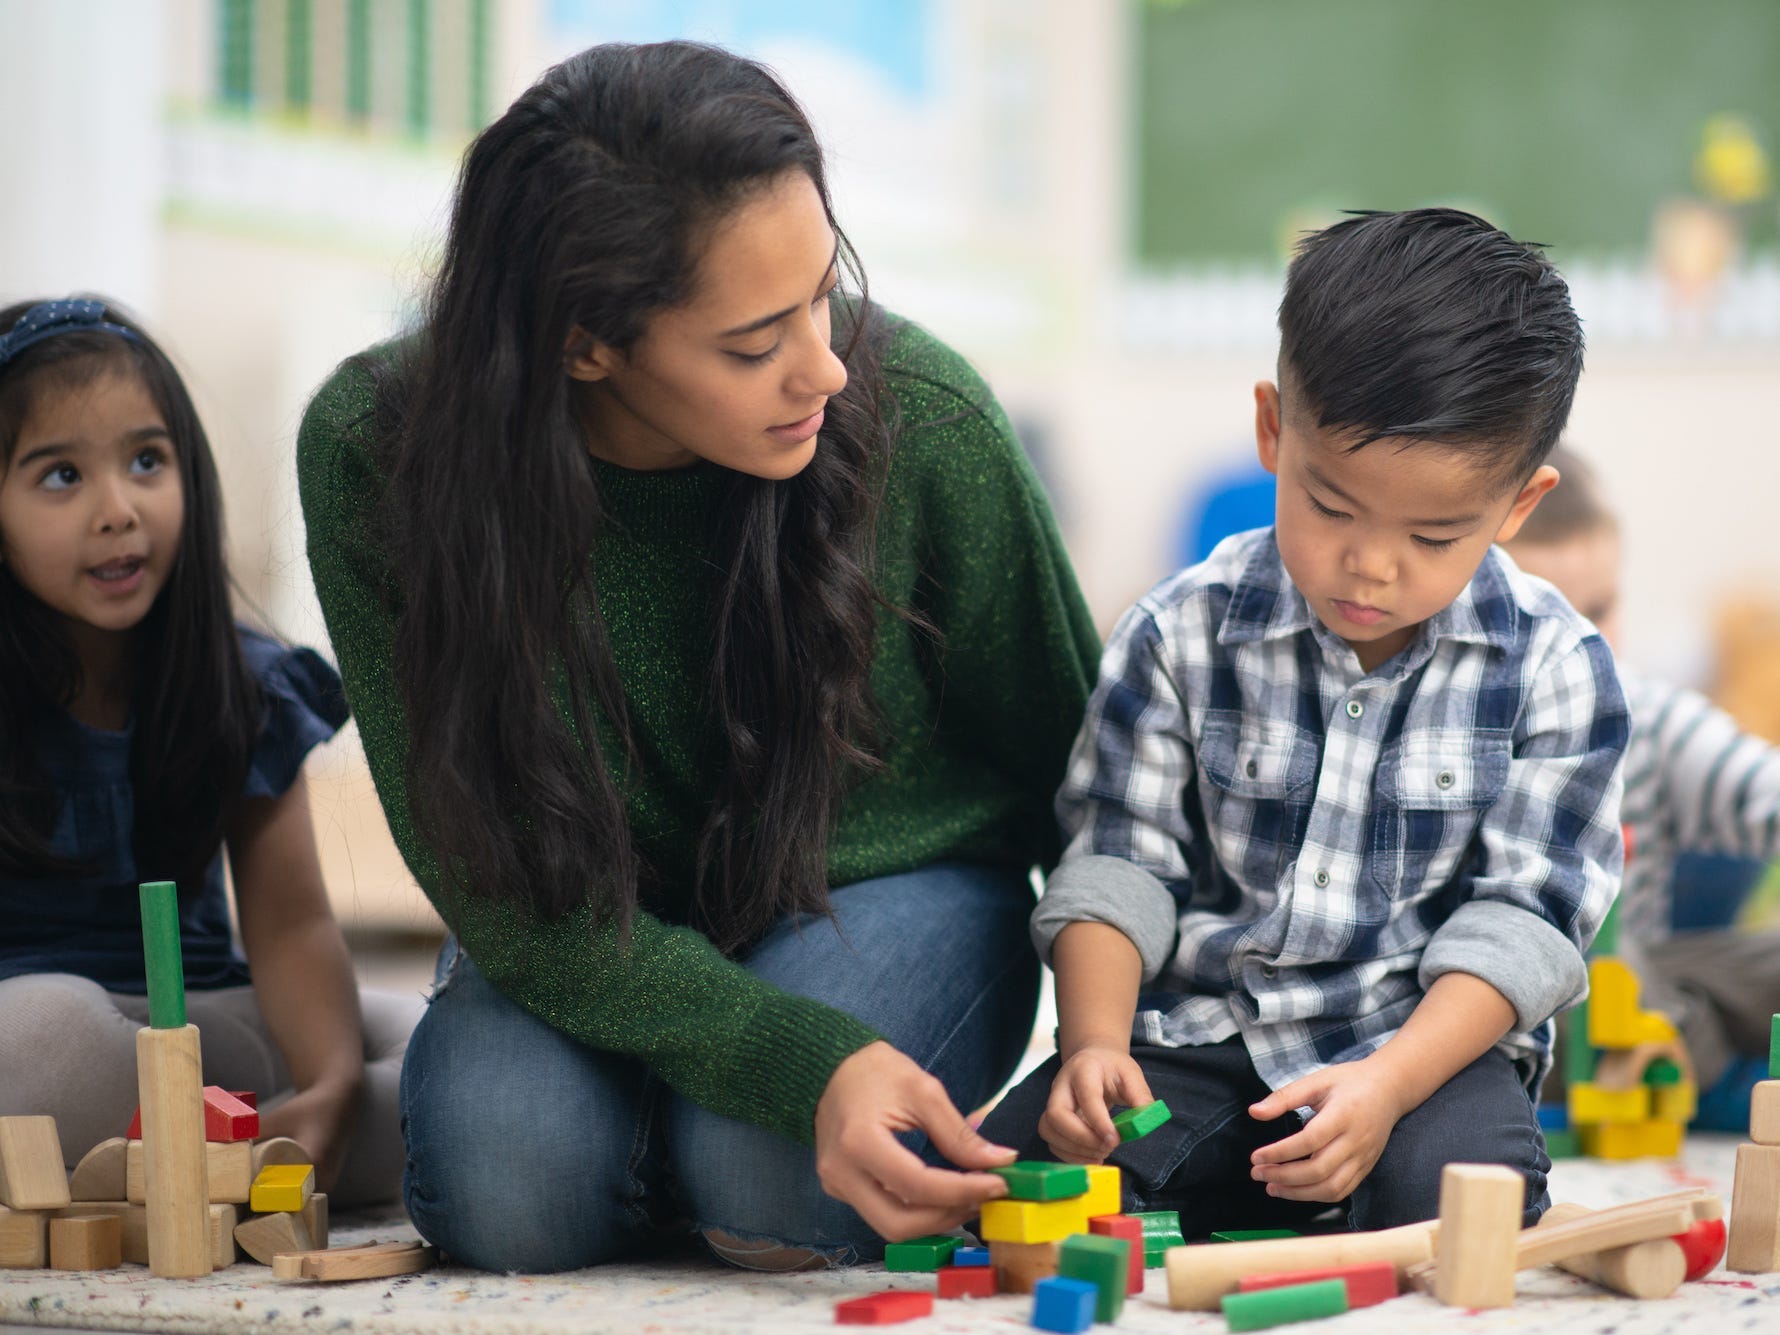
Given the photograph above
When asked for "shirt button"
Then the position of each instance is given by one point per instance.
(1444, 778)
(1321, 878)
(1268, 971)
(1355, 709)
(1253, 769)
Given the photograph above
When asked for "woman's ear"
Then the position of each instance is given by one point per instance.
(584, 357)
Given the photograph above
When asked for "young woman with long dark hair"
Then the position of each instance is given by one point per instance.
(716, 657)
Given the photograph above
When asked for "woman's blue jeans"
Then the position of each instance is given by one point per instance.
(528, 1150)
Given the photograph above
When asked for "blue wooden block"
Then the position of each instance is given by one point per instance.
(1063, 1304)
(971, 1256)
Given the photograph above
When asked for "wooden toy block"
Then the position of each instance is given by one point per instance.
(1663, 1071)
(277, 1149)
(1020, 1265)
(1653, 1269)
(315, 1215)
(24, 1239)
(929, 1253)
(99, 1176)
(1764, 1113)
(1632, 1140)
(85, 1242)
(1774, 1048)
(1674, 1103)
(1131, 1230)
(1032, 1221)
(227, 1118)
(264, 1236)
(1253, 1234)
(170, 1092)
(286, 1186)
(1614, 1019)
(1563, 1144)
(1198, 1277)
(968, 1256)
(1755, 1211)
(1261, 1308)
(1161, 1230)
(1103, 1262)
(32, 1175)
(1103, 1190)
(1622, 1068)
(1480, 1209)
(1135, 1123)
(1367, 1285)
(1590, 1104)
(884, 1309)
(966, 1281)
(1061, 1304)
(1031, 1180)
(228, 1171)
(132, 1221)
(378, 1260)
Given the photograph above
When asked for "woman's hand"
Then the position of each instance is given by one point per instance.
(320, 1119)
(871, 1096)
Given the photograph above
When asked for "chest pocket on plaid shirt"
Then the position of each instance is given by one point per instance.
(1262, 777)
(1432, 790)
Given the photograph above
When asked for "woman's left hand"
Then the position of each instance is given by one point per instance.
(320, 1119)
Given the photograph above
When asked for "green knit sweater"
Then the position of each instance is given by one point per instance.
(975, 735)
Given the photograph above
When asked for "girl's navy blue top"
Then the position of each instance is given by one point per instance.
(91, 924)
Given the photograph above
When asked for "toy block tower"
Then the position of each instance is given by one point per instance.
(1755, 1197)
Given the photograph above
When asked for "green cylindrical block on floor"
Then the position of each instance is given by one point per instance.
(160, 954)
(1294, 1302)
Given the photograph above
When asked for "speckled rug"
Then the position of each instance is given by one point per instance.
(696, 1297)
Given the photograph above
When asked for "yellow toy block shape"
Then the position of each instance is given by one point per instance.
(282, 1186)
(1591, 1105)
(1632, 1140)
(1675, 1103)
(1103, 1191)
(1614, 1020)
(1034, 1221)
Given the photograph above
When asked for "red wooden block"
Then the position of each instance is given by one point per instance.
(247, 1096)
(967, 1281)
(884, 1309)
(226, 1118)
(1366, 1284)
(1124, 1226)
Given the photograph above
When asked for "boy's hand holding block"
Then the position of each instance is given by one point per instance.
(1135, 1123)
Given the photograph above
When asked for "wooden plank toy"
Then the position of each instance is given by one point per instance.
(884, 1309)
(1755, 1211)
(1135, 1123)
(1061, 1304)
(1653, 1269)
(99, 1176)
(1131, 1230)
(1260, 1308)
(24, 1239)
(1199, 1277)
(228, 1171)
(1101, 1261)
(1032, 1180)
(282, 1186)
(377, 1260)
(1480, 1211)
(85, 1242)
(929, 1253)
(170, 1090)
(966, 1281)
(32, 1174)
(1367, 1285)
(1019, 1266)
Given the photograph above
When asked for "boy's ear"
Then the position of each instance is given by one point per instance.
(1267, 425)
(584, 357)
(1544, 478)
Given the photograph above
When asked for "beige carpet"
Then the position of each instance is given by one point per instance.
(695, 1297)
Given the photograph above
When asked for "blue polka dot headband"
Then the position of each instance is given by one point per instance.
(48, 318)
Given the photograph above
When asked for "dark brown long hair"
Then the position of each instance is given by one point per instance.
(586, 204)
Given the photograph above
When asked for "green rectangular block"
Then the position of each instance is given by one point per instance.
(929, 1253)
(1033, 1180)
(1291, 1302)
(1101, 1261)
(1134, 1123)
(1774, 1048)
(1564, 1144)
(1253, 1234)
(1155, 1256)
(1158, 1223)
(163, 964)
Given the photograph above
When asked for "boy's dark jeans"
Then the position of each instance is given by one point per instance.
(1198, 1162)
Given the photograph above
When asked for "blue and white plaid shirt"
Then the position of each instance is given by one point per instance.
(1298, 848)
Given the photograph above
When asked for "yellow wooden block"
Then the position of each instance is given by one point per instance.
(282, 1186)
(1675, 1103)
(1033, 1221)
(1590, 1104)
(1103, 1191)
(1632, 1140)
(1614, 1020)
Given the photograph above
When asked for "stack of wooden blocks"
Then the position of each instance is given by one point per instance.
(1630, 1087)
(1755, 1198)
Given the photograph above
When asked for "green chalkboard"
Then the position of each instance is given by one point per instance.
(1565, 121)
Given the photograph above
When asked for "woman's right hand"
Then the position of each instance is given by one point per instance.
(871, 1096)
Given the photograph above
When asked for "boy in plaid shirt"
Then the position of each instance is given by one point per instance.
(1344, 812)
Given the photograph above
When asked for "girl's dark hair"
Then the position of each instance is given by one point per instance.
(1430, 324)
(587, 204)
(195, 707)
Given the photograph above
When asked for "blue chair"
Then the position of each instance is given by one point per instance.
(1232, 501)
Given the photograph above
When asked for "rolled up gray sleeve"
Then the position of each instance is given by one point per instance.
(1098, 888)
(1518, 953)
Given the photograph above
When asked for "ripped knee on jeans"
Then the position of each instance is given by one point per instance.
(768, 1254)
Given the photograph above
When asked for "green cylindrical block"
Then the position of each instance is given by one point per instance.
(1293, 1302)
(160, 954)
